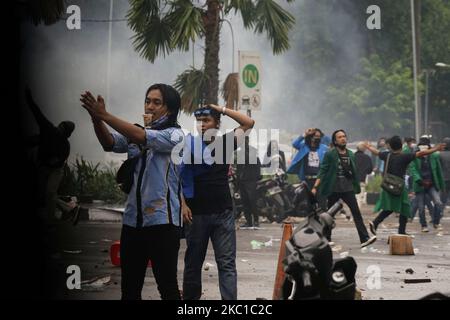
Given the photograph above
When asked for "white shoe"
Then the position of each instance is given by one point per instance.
(368, 242)
(425, 229)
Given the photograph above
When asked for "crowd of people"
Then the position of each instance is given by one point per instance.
(169, 200)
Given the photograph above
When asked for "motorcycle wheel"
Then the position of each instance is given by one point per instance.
(276, 212)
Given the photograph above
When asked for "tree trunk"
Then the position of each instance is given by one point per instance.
(212, 46)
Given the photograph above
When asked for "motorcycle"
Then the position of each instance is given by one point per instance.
(274, 199)
(311, 272)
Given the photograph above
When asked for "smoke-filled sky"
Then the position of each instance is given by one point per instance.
(59, 64)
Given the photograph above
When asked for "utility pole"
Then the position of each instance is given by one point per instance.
(108, 62)
(415, 26)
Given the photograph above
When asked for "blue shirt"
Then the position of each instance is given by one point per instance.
(160, 189)
(297, 166)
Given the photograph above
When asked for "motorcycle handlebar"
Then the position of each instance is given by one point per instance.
(336, 208)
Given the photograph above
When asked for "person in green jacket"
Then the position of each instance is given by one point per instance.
(428, 180)
(338, 179)
(397, 165)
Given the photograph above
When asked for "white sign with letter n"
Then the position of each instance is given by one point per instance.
(249, 80)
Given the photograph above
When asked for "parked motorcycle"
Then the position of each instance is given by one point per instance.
(274, 198)
(311, 272)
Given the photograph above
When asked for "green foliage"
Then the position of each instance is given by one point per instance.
(84, 178)
(374, 184)
(191, 86)
(380, 98)
(372, 80)
(162, 27)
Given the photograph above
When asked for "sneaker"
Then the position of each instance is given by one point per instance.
(438, 227)
(425, 229)
(369, 241)
(408, 234)
(372, 228)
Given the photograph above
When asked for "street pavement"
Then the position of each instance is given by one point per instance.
(379, 274)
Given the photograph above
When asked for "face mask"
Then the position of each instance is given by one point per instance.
(423, 148)
(414, 145)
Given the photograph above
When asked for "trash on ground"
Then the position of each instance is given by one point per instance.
(256, 244)
(409, 270)
(417, 280)
(72, 251)
(244, 260)
(207, 266)
(416, 250)
(96, 284)
(336, 248)
(268, 243)
(343, 254)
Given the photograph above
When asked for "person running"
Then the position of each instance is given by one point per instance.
(337, 179)
(397, 163)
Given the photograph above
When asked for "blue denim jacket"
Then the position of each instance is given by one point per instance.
(160, 189)
(296, 166)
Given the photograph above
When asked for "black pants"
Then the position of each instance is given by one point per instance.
(321, 200)
(160, 244)
(248, 196)
(350, 200)
(384, 214)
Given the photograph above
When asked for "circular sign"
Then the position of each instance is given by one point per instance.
(250, 75)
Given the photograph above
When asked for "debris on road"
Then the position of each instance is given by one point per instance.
(207, 266)
(96, 284)
(257, 244)
(336, 248)
(409, 270)
(72, 251)
(417, 280)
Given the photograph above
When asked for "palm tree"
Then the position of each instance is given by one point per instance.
(163, 26)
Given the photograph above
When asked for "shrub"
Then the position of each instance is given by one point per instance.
(84, 178)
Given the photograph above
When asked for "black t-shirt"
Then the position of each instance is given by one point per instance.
(425, 170)
(211, 189)
(398, 162)
(343, 183)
